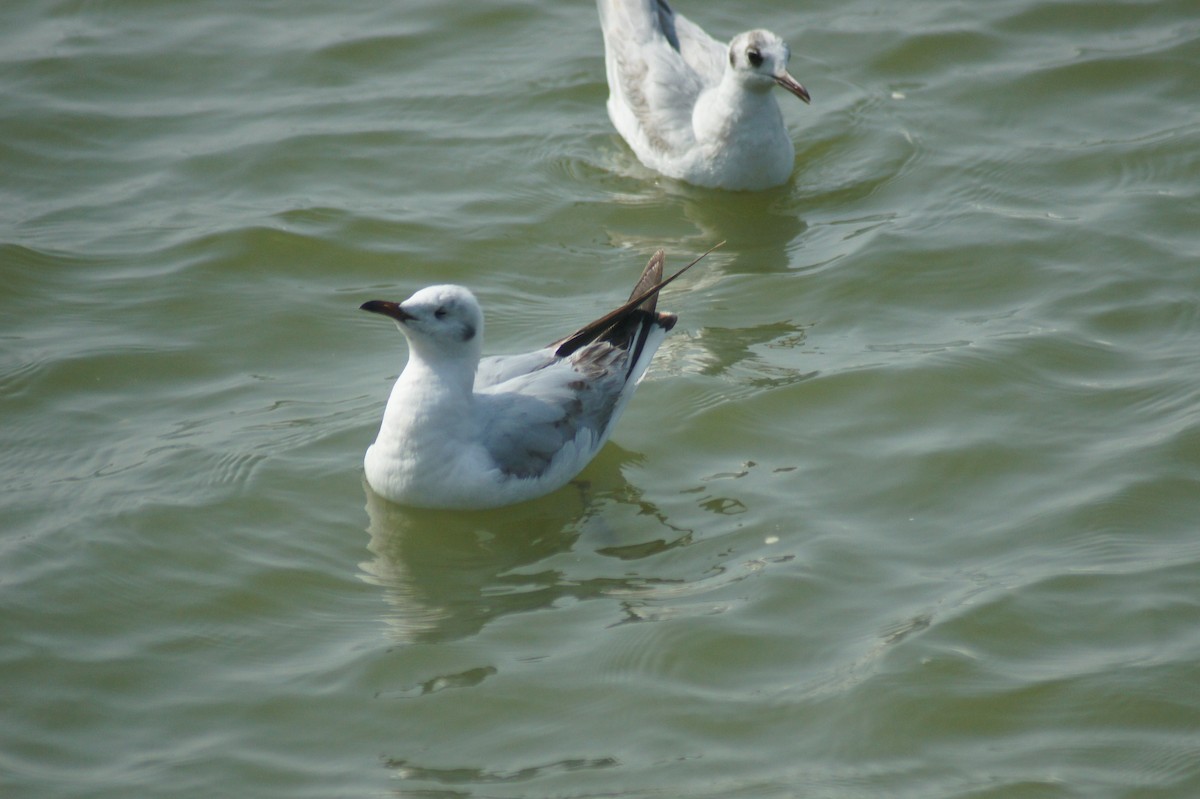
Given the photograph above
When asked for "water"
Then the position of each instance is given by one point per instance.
(907, 507)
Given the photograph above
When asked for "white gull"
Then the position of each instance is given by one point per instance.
(464, 432)
(691, 107)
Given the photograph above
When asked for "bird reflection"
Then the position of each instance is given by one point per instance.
(447, 574)
(760, 229)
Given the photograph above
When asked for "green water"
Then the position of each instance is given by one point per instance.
(909, 505)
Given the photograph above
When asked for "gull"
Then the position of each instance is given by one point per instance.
(691, 107)
(460, 431)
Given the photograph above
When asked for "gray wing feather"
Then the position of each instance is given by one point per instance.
(533, 406)
(700, 51)
(531, 417)
(657, 63)
(496, 369)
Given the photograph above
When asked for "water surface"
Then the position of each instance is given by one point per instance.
(907, 506)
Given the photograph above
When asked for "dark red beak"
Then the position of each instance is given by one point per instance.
(792, 85)
(388, 309)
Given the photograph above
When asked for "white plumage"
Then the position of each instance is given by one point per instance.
(691, 107)
(461, 431)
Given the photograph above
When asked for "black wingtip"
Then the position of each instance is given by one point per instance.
(644, 299)
(651, 276)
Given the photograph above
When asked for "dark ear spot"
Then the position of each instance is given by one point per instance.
(468, 332)
(732, 58)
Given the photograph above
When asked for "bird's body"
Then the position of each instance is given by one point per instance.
(464, 432)
(691, 107)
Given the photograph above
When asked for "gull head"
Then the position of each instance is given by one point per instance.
(759, 60)
(438, 321)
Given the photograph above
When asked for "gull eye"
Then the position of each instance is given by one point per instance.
(440, 313)
(754, 56)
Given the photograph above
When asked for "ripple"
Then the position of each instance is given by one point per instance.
(407, 770)
(463, 679)
(19, 378)
(920, 54)
(236, 468)
(909, 508)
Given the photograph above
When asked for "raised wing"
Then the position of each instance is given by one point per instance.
(562, 401)
(644, 298)
(701, 52)
(653, 88)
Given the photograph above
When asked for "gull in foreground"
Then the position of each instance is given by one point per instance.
(691, 107)
(464, 432)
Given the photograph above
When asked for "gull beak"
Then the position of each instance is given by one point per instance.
(391, 310)
(792, 85)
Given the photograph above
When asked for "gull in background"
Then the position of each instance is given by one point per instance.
(691, 107)
(461, 431)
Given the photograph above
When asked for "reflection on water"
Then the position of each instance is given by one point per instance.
(741, 355)
(447, 574)
(922, 457)
(758, 228)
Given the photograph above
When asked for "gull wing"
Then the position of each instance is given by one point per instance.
(564, 410)
(701, 52)
(562, 401)
(657, 65)
(644, 298)
(497, 369)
